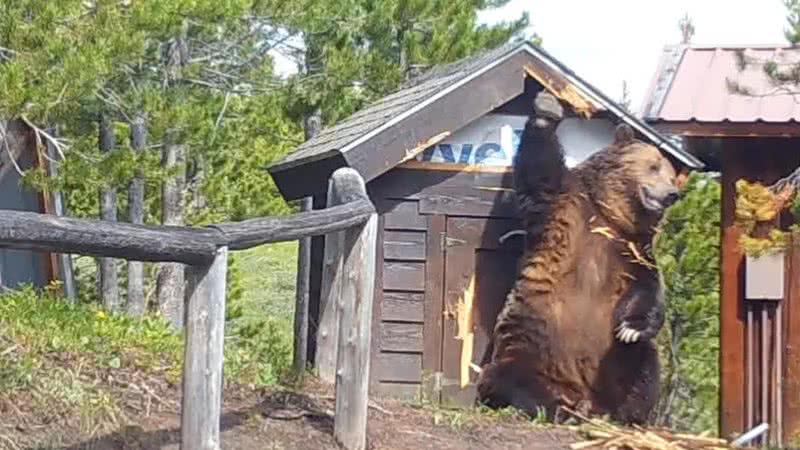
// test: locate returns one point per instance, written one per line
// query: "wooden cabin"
(436, 156)
(756, 138)
(19, 267)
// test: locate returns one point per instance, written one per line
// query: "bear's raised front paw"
(546, 106)
(627, 334)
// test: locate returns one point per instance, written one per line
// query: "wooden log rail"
(350, 220)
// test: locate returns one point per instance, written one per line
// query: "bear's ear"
(623, 135)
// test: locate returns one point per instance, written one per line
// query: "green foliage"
(792, 33)
(261, 330)
(687, 251)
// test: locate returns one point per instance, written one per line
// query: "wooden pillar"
(357, 259)
(201, 406)
(791, 347)
(328, 324)
(303, 286)
(732, 316)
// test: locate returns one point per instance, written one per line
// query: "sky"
(608, 41)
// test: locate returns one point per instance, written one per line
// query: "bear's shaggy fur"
(576, 329)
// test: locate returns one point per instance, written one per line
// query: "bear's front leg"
(639, 315)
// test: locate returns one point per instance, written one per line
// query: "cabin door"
(479, 272)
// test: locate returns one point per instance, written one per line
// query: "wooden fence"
(350, 219)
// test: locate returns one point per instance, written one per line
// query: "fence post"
(201, 405)
(328, 324)
(357, 279)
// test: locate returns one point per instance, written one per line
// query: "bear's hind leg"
(508, 382)
(641, 390)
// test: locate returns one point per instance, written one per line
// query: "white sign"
(493, 140)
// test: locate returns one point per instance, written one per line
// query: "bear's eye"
(654, 168)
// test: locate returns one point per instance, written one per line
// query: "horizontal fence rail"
(350, 219)
(156, 243)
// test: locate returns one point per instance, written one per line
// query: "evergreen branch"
(41, 135)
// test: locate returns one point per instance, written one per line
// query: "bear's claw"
(627, 334)
(547, 106)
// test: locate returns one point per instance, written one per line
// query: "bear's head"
(632, 181)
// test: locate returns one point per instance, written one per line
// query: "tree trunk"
(136, 301)
(170, 278)
(312, 125)
(107, 267)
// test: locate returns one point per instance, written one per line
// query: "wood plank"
(404, 184)
(355, 320)
(732, 327)
(485, 233)
(495, 204)
(404, 245)
(403, 306)
(402, 215)
(480, 273)
(791, 358)
(399, 391)
(404, 276)
(401, 337)
(399, 367)
(434, 306)
(378, 307)
(457, 167)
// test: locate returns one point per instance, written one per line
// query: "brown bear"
(576, 329)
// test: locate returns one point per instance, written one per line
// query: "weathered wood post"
(201, 406)
(354, 305)
(328, 325)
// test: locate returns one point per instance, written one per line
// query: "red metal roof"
(692, 84)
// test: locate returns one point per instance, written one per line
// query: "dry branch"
(604, 435)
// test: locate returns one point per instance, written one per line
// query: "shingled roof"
(442, 100)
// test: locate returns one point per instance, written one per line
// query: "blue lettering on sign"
(486, 151)
(466, 152)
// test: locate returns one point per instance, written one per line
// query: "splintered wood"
(465, 333)
(603, 435)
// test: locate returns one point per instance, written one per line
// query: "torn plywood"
(565, 92)
(464, 308)
(411, 154)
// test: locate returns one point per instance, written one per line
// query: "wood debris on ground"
(604, 435)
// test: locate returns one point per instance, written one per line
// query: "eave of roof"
(691, 91)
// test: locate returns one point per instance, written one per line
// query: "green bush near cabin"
(687, 251)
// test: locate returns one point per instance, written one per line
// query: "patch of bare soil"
(268, 419)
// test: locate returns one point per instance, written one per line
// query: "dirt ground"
(277, 419)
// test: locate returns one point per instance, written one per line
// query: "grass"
(262, 314)
(57, 358)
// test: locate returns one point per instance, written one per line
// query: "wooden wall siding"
(791, 359)
(418, 208)
(399, 327)
(763, 160)
(476, 194)
(480, 272)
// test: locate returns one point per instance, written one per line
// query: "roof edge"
(660, 141)
(422, 105)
